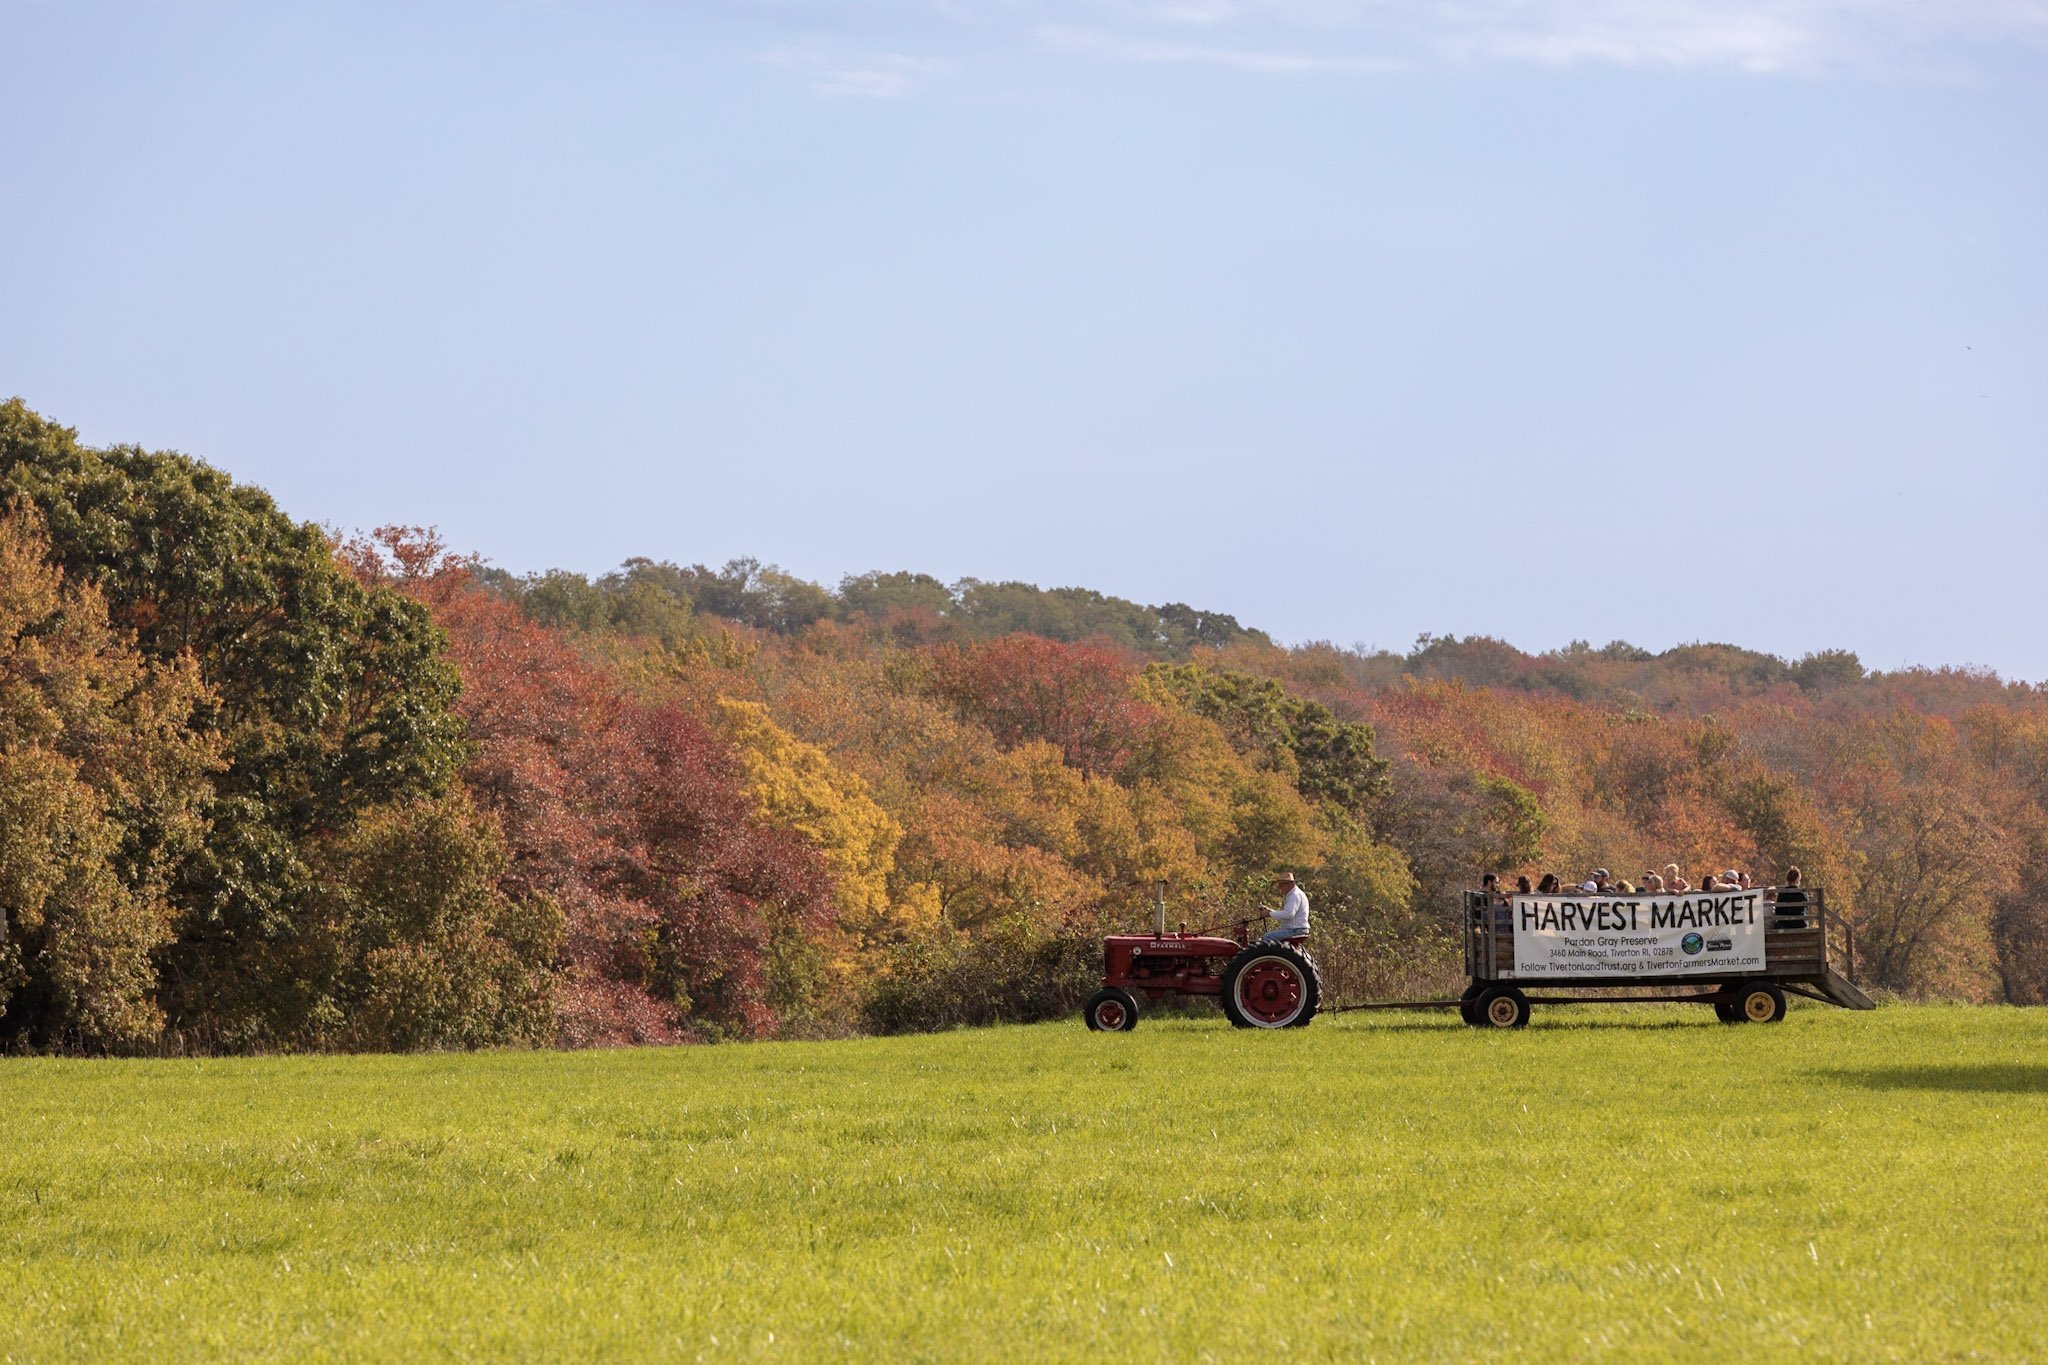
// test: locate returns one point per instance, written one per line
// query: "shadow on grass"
(2006, 1078)
(1403, 1021)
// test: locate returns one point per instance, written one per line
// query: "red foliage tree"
(1025, 688)
(631, 815)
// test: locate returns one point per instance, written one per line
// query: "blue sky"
(1655, 319)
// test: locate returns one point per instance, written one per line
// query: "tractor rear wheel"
(1270, 985)
(1500, 1007)
(1111, 1010)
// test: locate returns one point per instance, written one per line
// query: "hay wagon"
(1742, 952)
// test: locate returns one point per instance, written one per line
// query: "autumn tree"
(1930, 859)
(1076, 697)
(103, 780)
(271, 792)
(2019, 927)
(796, 786)
(685, 913)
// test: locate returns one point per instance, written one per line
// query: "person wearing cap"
(1292, 916)
(1596, 882)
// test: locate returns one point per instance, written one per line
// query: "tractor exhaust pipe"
(1159, 908)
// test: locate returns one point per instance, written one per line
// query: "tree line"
(264, 789)
(658, 599)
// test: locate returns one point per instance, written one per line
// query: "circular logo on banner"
(1692, 943)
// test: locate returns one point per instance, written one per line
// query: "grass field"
(1609, 1182)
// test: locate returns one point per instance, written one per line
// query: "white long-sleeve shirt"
(1293, 911)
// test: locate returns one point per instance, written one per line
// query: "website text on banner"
(1705, 934)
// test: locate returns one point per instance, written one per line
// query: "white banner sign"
(1705, 933)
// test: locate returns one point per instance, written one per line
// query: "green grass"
(1611, 1182)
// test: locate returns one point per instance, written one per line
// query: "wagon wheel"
(1468, 1002)
(1270, 985)
(1759, 1003)
(1111, 1010)
(1501, 1007)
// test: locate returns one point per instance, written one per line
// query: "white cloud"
(1365, 37)
(1109, 45)
(1283, 36)
(877, 75)
(1750, 41)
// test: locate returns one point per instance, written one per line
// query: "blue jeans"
(1282, 935)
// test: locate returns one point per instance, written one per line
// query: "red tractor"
(1260, 984)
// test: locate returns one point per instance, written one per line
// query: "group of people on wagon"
(1789, 896)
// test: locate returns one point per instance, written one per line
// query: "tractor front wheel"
(1111, 1010)
(1270, 985)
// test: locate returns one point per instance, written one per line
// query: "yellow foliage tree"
(797, 786)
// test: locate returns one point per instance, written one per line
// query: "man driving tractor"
(1292, 916)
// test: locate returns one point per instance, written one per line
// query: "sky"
(1661, 320)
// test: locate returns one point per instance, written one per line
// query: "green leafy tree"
(756, 594)
(415, 946)
(1074, 615)
(647, 599)
(326, 698)
(1828, 670)
(1329, 759)
(565, 601)
(1187, 628)
(877, 595)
